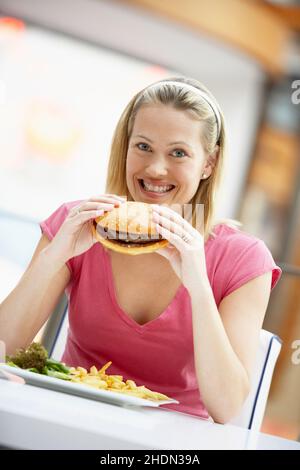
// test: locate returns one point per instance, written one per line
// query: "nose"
(157, 168)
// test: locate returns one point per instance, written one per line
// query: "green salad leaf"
(35, 359)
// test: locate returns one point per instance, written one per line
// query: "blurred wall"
(236, 80)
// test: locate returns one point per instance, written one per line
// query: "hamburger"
(129, 229)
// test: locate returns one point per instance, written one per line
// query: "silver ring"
(185, 239)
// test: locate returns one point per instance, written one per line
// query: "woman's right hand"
(75, 236)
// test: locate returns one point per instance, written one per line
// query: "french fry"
(106, 366)
(115, 383)
(93, 370)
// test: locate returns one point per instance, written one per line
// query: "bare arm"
(225, 344)
(29, 305)
(24, 311)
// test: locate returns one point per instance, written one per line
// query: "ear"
(211, 161)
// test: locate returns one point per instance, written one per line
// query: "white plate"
(82, 390)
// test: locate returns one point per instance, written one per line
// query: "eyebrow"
(171, 143)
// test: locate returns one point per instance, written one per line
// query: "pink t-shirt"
(158, 354)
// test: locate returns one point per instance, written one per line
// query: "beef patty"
(124, 238)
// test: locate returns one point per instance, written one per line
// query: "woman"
(184, 321)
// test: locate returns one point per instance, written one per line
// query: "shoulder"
(237, 256)
(225, 236)
(234, 248)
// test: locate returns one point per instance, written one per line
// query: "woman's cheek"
(132, 162)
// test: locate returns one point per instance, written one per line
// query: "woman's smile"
(157, 191)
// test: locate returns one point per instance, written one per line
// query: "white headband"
(201, 93)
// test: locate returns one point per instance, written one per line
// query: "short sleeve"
(248, 258)
(52, 224)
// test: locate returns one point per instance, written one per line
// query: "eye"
(145, 147)
(141, 148)
(182, 151)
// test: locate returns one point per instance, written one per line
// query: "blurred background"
(69, 67)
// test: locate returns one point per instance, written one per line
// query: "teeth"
(156, 189)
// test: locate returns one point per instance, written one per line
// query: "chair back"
(254, 407)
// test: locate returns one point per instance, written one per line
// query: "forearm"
(222, 379)
(26, 308)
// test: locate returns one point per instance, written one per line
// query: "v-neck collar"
(122, 314)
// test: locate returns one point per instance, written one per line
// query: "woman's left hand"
(185, 251)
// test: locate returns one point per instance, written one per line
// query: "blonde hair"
(183, 99)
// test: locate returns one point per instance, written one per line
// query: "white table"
(36, 418)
